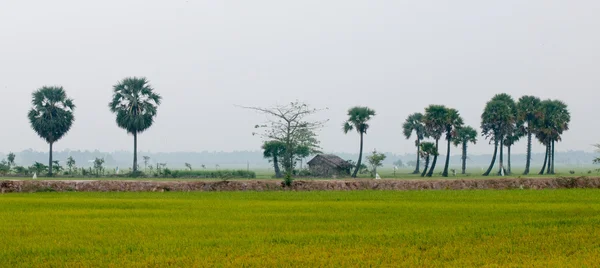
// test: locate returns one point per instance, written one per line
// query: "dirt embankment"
(9, 186)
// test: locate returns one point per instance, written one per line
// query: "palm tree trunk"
(552, 168)
(509, 170)
(417, 170)
(359, 162)
(545, 162)
(50, 161)
(276, 167)
(487, 173)
(134, 152)
(501, 169)
(430, 173)
(426, 166)
(549, 157)
(528, 162)
(445, 173)
(464, 158)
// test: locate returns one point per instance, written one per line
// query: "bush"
(211, 174)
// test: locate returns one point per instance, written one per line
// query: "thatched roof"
(330, 159)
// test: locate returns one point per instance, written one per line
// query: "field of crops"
(360, 228)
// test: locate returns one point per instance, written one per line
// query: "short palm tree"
(528, 109)
(357, 120)
(435, 119)
(427, 150)
(51, 116)
(135, 104)
(464, 136)
(414, 124)
(452, 124)
(273, 150)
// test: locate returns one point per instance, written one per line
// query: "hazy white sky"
(204, 57)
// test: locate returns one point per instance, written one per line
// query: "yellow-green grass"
(307, 229)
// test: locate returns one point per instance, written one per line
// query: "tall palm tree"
(51, 116)
(414, 123)
(135, 104)
(427, 150)
(556, 118)
(464, 136)
(453, 122)
(357, 119)
(497, 119)
(528, 108)
(435, 119)
(273, 150)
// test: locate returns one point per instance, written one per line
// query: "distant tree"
(146, 161)
(412, 163)
(435, 118)
(273, 150)
(375, 160)
(497, 120)
(57, 168)
(452, 123)
(71, 164)
(529, 112)
(203, 166)
(289, 124)
(427, 150)
(4, 167)
(414, 124)
(399, 163)
(39, 168)
(51, 116)
(188, 166)
(358, 118)
(135, 104)
(11, 159)
(464, 136)
(597, 159)
(99, 166)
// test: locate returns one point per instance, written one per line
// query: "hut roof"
(333, 160)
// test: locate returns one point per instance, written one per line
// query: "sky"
(206, 57)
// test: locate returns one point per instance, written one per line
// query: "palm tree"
(51, 116)
(358, 118)
(497, 119)
(427, 149)
(528, 108)
(135, 104)
(514, 134)
(453, 122)
(464, 136)
(414, 123)
(555, 121)
(272, 150)
(435, 119)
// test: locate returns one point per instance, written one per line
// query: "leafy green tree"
(358, 118)
(188, 166)
(435, 119)
(529, 112)
(11, 159)
(39, 168)
(427, 150)
(414, 124)
(497, 120)
(135, 103)
(375, 160)
(71, 164)
(51, 116)
(4, 167)
(99, 166)
(464, 136)
(146, 161)
(56, 167)
(452, 124)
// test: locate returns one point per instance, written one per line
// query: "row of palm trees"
(134, 103)
(503, 123)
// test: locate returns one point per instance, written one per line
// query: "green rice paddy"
(305, 229)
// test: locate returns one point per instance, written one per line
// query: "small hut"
(328, 165)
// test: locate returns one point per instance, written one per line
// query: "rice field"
(307, 229)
